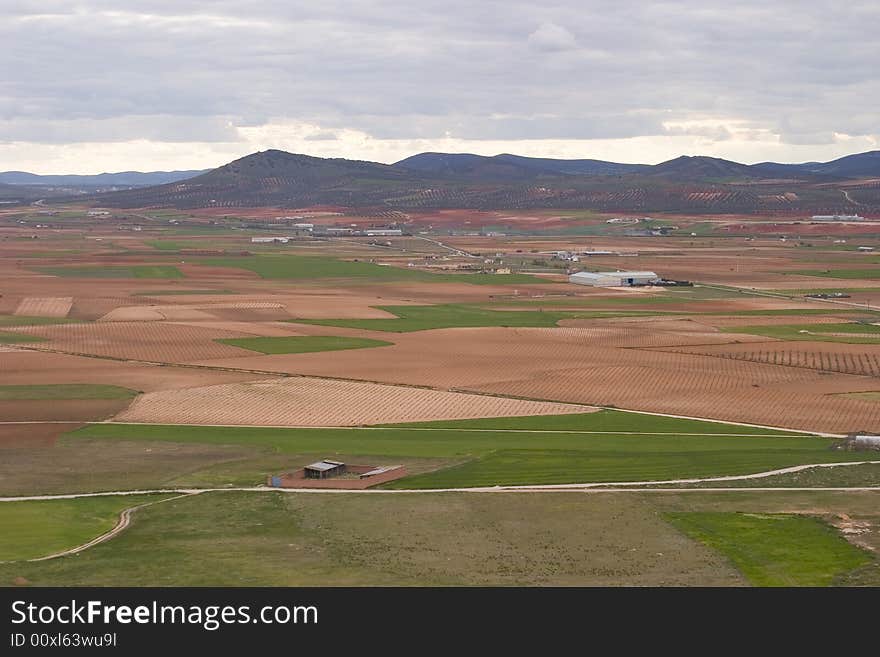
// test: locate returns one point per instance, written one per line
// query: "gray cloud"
(193, 70)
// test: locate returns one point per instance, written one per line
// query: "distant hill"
(694, 184)
(509, 167)
(122, 179)
(274, 177)
(706, 168)
(860, 165)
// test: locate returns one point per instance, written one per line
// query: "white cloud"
(550, 37)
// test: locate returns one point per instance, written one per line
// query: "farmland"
(64, 391)
(850, 332)
(421, 318)
(615, 447)
(302, 344)
(156, 271)
(185, 356)
(39, 528)
(775, 550)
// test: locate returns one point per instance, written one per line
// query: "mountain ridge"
(275, 178)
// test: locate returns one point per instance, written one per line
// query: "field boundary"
(630, 486)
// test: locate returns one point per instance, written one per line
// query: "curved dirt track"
(121, 524)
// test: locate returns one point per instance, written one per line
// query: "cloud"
(372, 76)
(551, 37)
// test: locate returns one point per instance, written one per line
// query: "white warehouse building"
(613, 278)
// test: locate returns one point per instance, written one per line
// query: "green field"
(18, 320)
(604, 421)
(854, 332)
(775, 550)
(13, 338)
(513, 453)
(135, 271)
(37, 528)
(302, 344)
(865, 274)
(65, 391)
(422, 318)
(297, 267)
(870, 396)
(276, 539)
(160, 293)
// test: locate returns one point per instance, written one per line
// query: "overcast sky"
(97, 85)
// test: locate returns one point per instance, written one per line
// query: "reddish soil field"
(25, 367)
(608, 364)
(13, 436)
(149, 341)
(859, 359)
(60, 409)
(44, 306)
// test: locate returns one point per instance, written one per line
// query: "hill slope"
(441, 180)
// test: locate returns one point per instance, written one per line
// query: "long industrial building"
(613, 278)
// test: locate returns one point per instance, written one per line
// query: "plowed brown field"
(14, 436)
(609, 365)
(44, 306)
(25, 367)
(320, 402)
(859, 359)
(150, 341)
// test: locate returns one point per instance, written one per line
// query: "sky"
(96, 85)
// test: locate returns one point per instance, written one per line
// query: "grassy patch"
(18, 320)
(302, 344)
(37, 528)
(864, 475)
(135, 271)
(161, 293)
(775, 550)
(825, 290)
(853, 332)
(865, 274)
(422, 318)
(870, 396)
(65, 391)
(14, 338)
(500, 456)
(609, 421)
(310, 267)
(297, 267)
(362, 540)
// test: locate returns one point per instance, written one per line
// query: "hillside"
(710, 169)
(509, 167)
(441, 180)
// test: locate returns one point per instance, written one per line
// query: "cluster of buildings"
(328, 231)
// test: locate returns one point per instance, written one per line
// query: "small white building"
(270, 240)
(383, 232)
(613, 278)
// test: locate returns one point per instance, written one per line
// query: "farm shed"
(860, 441)
(613, 278)
(324, 469)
